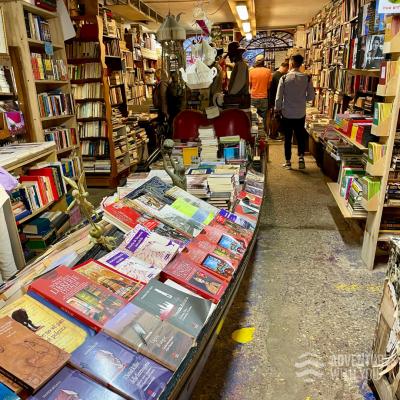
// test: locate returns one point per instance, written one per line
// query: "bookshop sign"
(388, 6)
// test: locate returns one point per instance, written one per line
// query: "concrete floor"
(306, 291)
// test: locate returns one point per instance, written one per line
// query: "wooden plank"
(349, 140)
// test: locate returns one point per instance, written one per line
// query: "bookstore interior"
(132, 103)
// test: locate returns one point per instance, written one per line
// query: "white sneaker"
(302, 164)
(287, 166)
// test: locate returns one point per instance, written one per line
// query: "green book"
(37, 225)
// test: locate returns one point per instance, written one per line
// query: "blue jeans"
(262, 109)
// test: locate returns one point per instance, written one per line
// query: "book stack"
(36, 27)
(116, 116)
(88, 164)
(354, 199)
(92, 129)
(221, 200)
(115, 78)
(393, 194)
(209, 142)
(53, 103)
(395, 163)
(390, 224)
(50, 5)
(94, 109)
(224, 182)
(102, 166)
(64, 137)
(85, 71)
(78, 49)
(44, 67)
(93, 90)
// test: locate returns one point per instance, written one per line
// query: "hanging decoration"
(198, 75)
(202, 20)
(204, 51)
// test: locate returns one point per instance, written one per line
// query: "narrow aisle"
(306, 291)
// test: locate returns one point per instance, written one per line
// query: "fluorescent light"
(249, 36)
(242, 12)
(246, 27)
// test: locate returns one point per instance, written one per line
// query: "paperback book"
(246, 211)
(79, 296)
(149, 336)
(232, 242)
(120, 368)
(20, 348)
(111, 280)
(253, 190)
(185, 312)
(71, 384)
(231, 228)
(197, 279)
(236, 219)
(199, 215)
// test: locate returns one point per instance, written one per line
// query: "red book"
(192, 277)
(247, 212)
(49, 173)
(217, 260)
(114, 281)
(79, 297)
(45, 6)
(231, 227)
(252, 198)
(382, 73)
(39, 181)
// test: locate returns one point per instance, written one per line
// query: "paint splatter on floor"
(243, 335)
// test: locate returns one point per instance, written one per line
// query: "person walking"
(294, 90)
(260, 81)
(276, 76)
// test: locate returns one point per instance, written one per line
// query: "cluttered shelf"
(353, 142)
(340, 201)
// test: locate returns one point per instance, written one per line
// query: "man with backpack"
(294, 90)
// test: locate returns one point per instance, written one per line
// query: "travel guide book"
(149, 336)
(113, 281)
(149, 247)
(196, 279)
(213, 260)
(130, 266)
(185, 312)
(71, 384)
(79, 296)
(26, 358)
(120, 368)
(46, 323)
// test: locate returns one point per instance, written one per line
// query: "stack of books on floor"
(209, 142)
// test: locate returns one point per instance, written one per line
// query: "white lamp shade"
(242, 12)
(246, 27)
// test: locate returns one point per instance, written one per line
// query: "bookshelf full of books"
(50, 108)
(353, 55)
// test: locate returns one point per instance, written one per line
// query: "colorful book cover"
(122, 369)
(236, 219)
(71, 384)
(168, 231)
(231, 228)
(79, 296)
(197, 279)
(7, 394)
(257, 185)
(46, 323)
(149, 203)
(253, 200)
(253, 190)
(149, 336)
(111, 280)
(26, 358)
(245, 211)
(130, 266)
(213, 258)
(149, 247)
(155, 186)
(230, 241)
(186, 312)
(199, 215)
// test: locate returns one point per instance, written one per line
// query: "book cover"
(165, 230)
(232, 242)
(149, 336)
(113, 281)
(7, 394)
(78, 296)
(195, 278)
(26, 358)
(149, 203)
(46, 323)
(199, 215)
(250, 199)
(156, 186)
(236, 219)
(149, 247)
(245, 211)
(254, 190)
(122, 369)
(213, 258)
(185, 312)
(232, 228)
(71, 384)
(130, 266)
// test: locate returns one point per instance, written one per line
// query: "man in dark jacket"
(239, 80)
(160, 100)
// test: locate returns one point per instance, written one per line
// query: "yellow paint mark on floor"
(352, 288)
(243, 335)
(347, 288)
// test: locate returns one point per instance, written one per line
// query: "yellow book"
(202, 216)
(188, 153)
(45, 323)
(354, 129)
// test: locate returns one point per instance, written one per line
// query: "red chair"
(230, 122)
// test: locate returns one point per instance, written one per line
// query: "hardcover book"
(149, 247)
(149, 336)
(26, 358)
(46, 323)
(111, 280)
(122, 369)
(130, 266)
(71, 384)
(186, 312)
(79, 296)
(213, 258)
(195, 278)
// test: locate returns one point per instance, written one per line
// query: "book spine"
(16, 380)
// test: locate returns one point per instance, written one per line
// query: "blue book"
(199, 171)
(90, 333)
(22, 215)
(154, 186)
(229, 152)
(7, 394)
(72, 384)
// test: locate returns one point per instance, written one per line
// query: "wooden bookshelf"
(30, 87)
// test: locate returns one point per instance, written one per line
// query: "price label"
(48, 48)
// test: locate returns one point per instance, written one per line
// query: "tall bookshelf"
(29, 87)
(115, 131)
(327, 37)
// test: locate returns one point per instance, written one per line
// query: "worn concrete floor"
(306, 291)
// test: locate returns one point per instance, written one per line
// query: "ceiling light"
(246, 27)
(242, 11)
(249, 36)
